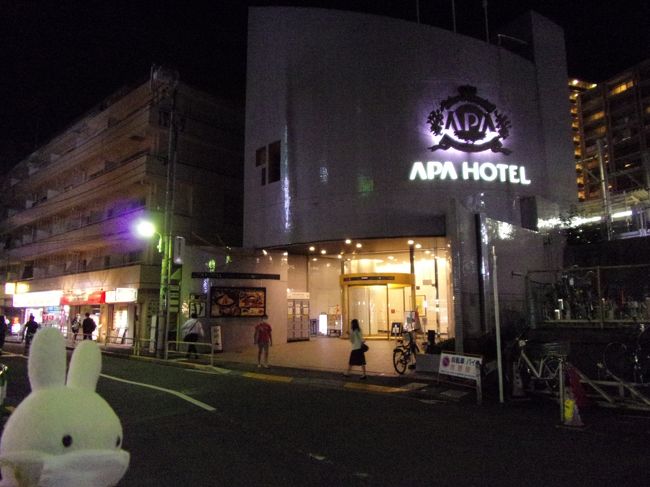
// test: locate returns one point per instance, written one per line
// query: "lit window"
(620, 88)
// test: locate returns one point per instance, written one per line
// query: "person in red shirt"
(263, 340)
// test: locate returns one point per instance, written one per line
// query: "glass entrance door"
(369, 305)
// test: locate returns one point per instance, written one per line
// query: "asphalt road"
(245, 428)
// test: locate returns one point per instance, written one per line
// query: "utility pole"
(164, 84)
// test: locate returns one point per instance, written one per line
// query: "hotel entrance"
(379, 282)
(377, 301)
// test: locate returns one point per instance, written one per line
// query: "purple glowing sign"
(468, 123)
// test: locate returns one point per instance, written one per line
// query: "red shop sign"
(96, 297)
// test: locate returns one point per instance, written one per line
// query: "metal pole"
(414, 306)
(453, 14)
(417, 10)
(487, 30)
(604, 185)
(497, 322)
(560, 371)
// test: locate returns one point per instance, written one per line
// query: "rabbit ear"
(47, 358)
(85, 366)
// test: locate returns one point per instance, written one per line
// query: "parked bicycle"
(630, 363)
(404, 355)
(537, 364)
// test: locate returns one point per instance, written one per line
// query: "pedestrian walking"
(30, 329)
(191, 330)
(88, 326)
(4, 327)
(75, 325)
(357, 354)
(263, 340)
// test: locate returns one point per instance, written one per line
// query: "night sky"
(60, 58)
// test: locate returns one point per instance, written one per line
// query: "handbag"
(364, 347)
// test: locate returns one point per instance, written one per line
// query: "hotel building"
(385, 163)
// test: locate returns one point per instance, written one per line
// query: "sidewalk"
(319, 353)
(322, 361)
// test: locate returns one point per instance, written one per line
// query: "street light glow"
(145, 228)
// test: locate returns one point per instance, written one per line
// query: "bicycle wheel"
(616, 360)
(400, 360)
(550, 373)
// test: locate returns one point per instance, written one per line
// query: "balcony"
(136, 168)
(79, 237)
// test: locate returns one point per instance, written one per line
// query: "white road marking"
(180, 395)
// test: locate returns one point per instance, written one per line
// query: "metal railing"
(588, 296)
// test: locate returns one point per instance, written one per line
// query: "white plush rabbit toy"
(62, 434)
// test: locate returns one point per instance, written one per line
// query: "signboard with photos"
(237, 301)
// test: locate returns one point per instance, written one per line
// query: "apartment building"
(615, 114)
(69, 208)
(576, 87)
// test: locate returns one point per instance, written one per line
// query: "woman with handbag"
(357, 354)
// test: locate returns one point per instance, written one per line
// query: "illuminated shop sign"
(76, 298)
(469, 171)
(468, 123)
(122, 295)
(37, 299)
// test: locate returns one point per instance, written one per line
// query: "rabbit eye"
(118, 442)
(67, 441)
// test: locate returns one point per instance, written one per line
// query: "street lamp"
(164, 84)
(146, 229)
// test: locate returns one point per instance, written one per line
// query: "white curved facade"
(348, 97)
(377, 148)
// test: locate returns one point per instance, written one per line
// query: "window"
(274, 162)
(28, 270)
(620, 88)
(260, 157)
(268, 160)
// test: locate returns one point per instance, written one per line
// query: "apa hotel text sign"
(469, 171)
(468, 123)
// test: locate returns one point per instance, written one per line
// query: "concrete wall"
(237, 332)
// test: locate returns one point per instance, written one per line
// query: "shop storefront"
(114, 311)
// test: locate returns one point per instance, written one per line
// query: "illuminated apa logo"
(469, 123)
